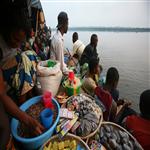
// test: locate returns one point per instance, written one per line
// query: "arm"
(113, 111)
(60, 57)
(13, 109)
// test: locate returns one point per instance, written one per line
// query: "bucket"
(36, 142)
(70, 89)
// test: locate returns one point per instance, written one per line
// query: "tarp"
(36, 4)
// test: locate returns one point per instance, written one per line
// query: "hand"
(120, 102)
(33, 125)
(127, 103)
(124, 103)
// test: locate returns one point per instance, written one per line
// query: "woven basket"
(67, 137)
(93, 133)
(100, 117)
(120, 128)
(64, 104)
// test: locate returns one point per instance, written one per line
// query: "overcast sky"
(127, 13)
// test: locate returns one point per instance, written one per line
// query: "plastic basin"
(36, 142)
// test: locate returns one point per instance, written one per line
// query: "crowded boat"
(53, 98)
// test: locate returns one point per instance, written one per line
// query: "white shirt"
(57, 50)
(78, 48)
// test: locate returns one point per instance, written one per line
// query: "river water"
(128, 52)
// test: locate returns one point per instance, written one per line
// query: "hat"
(62, 18)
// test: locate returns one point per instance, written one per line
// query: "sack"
(43, 70)
(51, 83)
(49, 76)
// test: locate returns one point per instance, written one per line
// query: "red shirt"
(106, 99)
(140, 129)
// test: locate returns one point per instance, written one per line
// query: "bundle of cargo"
(72, 84)
(88, 115)
(49, 75)
(113, 137)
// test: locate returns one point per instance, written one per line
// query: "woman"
(18, 68)
(112, 79)
(103, 98)
(11, 37)
(91, 78)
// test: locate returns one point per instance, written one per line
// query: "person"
(91, 76)
(78, 46)
(38, 48)
(44, 36)
(90, 50)
(112, 79)
(103, 98)
(139, 125)
(11, 37)
(110, 85)
(31, 37)
(57, 41)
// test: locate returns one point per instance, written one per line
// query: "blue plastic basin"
(36, 142)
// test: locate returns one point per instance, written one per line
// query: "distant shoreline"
(109, 29)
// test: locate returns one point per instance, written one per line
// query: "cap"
(62, 18)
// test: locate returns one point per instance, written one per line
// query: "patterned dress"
(19, 69)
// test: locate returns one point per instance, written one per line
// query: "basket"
(67, 137)
(99, 113)
(119, 128)
(93, 133)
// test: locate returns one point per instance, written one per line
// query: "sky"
(96, 13)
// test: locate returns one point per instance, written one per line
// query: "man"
(57, 42)
(139, 125)
(78, 46)
(12, 33)
(90, 50)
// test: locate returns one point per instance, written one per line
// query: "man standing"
(90, 50)
(57, 42)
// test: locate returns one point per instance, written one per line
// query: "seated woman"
(112, 79)
(91, 76)
(18, 67)
(111, 83)
(103, 98)
(139, 125)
